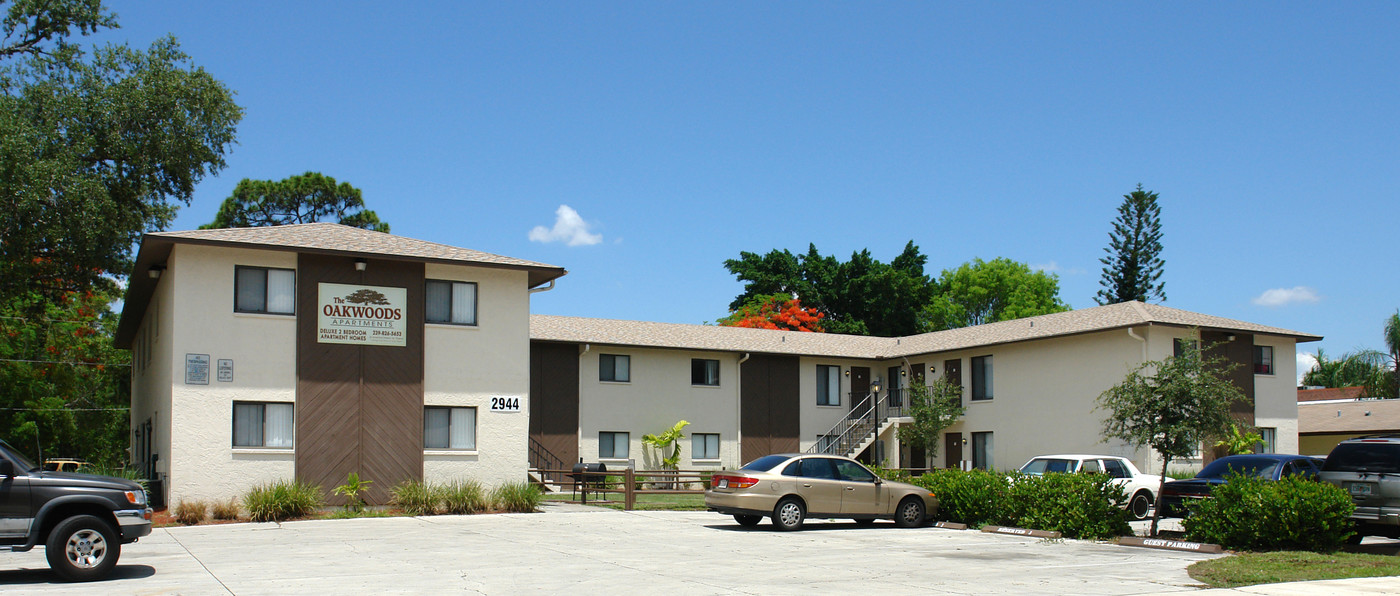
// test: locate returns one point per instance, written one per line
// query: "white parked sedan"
(1140, 488)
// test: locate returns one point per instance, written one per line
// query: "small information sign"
(225, 370)
(505, 403)
(196, 369)
(1020, 532)
(1195, 547)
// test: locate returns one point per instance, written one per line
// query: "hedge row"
(1076, 505)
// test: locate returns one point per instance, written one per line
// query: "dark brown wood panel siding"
(1240, 353)
(359, 408)
(554, 381)
(769, 406)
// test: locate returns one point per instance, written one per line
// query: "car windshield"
(1220, 468)
(765, 463)
(21, 463)
(1044, 465)
(1376, 458)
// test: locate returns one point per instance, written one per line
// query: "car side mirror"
(879, 481)
(7, 468)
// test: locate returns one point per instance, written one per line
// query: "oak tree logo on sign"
(366, 296)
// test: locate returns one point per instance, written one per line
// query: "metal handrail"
(844, 435)
(545, 460)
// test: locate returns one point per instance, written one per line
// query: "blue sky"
(682, 134)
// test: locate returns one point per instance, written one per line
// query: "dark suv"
(82, 520)
(1368, 468)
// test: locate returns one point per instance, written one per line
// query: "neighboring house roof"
(317, 238)
(1330, 393)
(708, 337)
(1359, 416)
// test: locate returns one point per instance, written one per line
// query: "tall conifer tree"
(1132, 270)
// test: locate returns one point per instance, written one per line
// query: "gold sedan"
(792, 487)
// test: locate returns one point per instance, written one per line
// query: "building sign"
(225, 370)
(196, 369)
(362, 315)
(505, 403)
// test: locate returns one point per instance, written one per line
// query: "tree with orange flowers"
(775, 311)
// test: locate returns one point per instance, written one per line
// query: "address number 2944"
(501, 403)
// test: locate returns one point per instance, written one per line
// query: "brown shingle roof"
(705, 337)
(319, 238)
(1361, 416)
(1330, 393)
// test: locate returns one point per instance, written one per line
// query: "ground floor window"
(612, 445)
(982, 451)
(1267, 443)
(704, 446)
(449, 428)
(262, 424)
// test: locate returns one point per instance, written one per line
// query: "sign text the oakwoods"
(364, 315)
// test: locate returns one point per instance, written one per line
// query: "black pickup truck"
(82, 520)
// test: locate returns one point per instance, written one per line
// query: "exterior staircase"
(869, 419)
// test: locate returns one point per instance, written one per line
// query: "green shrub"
(517, 497)
(463, 496)
(191, 512)
(277, 501)
(1251, 513)
(1076, 505)
(225, 510)
(416, 497)
(975, 498)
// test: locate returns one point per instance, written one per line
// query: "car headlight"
(136, 497)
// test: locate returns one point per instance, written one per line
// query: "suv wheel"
(82, 548)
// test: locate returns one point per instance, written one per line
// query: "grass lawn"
(1289, 566)
(645, 502)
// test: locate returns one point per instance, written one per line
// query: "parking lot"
(574, 549)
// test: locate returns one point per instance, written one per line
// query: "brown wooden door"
(952, 371)
(769, 406)
(860, 385)
(554, 375)
(952, 450)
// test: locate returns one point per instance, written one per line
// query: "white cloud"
(1053, 267)
(568, 227)
(1305, 363)
(1285, 296)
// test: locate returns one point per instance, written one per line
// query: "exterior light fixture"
(155, 271)
(360, 264)
(848, 372)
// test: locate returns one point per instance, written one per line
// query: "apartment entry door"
(952, 450)
(860, 387)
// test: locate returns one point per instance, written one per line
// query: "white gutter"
(543, 288)
(1134, 335)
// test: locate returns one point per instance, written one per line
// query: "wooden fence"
(596, 487)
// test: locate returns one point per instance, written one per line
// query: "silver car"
(792, 487)
(1368, 468)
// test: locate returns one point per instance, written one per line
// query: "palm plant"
(1392, 344)
(1364, 368)
(669, 441)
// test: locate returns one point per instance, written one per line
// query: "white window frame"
(613, 437)
(703, 444)
(262, 407)
(455, 290)
(267, 289)
(1268, 440)
(461, 428)
(626, 369)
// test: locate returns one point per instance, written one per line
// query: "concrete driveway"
(583, 550)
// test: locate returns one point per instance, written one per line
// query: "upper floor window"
(1181, 346)
(704, 372)
(1263, 360)
(450, 302)
(264, 290)
(262, 424)
(982, 378)
(828, 385)
(615, 368)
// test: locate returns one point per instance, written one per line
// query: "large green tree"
(1132, 269)
(861, 296)
(933, 407)
(306, 198)
(1172, 405)
(1364, 368)
(96, 146)
(1392, 346)
(989, 291)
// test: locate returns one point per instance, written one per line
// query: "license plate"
(724, 483)
(1360, 490)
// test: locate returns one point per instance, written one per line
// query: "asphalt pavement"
(570, 549)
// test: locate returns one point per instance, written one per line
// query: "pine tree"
(1133, 267)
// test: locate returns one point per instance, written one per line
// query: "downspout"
(545, 288)
(739, 406)
(1134, 335)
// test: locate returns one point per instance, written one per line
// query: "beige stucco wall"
(203, 464)
(1276, 395)
(151, 382)
(816, 420)
(466, 366)
(658, 395)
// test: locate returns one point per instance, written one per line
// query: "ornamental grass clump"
(190, 513)
(1250, 513)
(463, 496)
(517, 497)
(283, 500)
(416, 497)
(225, 510)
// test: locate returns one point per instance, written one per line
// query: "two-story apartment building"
(316, 350)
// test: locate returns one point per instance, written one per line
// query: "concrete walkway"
(575, 549)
